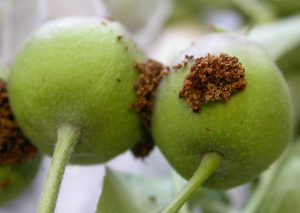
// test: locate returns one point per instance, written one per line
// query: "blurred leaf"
(284, 7)
(3, 74)
(210, 201)
(127, 193)
(258, 11)
(284, 195)
(131, 13)
(282, 40)
(193, 10)
(279, 37)
(289, 63)
(218, 29)
(279, 190)
(142, 17)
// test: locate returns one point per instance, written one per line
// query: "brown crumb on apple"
(184, 63)
(212, 78)
(177, 66)
(150, 74)
(14, 147)
(189, 56)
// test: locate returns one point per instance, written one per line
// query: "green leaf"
(284, 195)
(258, 11)
(279, 37)
(279, 190)
(127, 193)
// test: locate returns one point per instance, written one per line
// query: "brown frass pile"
(14, 147)
(212, 78)
(150, 75)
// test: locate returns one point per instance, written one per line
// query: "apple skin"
(80, 72)
(250, 131)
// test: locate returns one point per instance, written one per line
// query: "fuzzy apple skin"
(250, 131)
(15, 178)
(80, 72)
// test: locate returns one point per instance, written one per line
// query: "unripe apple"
(80, 72)
(249, 128)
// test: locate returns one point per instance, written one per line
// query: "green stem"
(179, 183)
(67, 137)
(209, 164)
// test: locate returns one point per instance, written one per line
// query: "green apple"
(249, 131)
(79, 72)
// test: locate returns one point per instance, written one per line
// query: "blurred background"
(163, 28)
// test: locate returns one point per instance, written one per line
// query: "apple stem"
(67, 138)
(208, 165)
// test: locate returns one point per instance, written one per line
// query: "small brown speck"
(189, 56)
(185, 62)
(110, 18)
(118, 79)
(177, 66)
(152, 199)
(119, 38)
